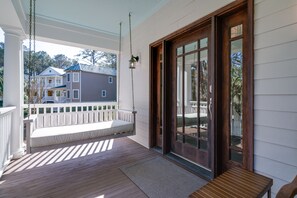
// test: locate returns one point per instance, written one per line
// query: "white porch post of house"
(13, 91)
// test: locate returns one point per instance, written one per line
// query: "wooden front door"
(202, 90)
(191, 73)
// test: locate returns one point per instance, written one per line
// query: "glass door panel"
(203, 98)
(192, 95)
(179, 99)
(236, 83)
(190, 99)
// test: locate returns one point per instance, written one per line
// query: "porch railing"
(5, 136)
(65, 114)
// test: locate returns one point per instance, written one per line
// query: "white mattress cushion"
(63, 134)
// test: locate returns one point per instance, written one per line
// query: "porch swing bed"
(50, 129)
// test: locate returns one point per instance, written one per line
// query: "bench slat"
(236, 182)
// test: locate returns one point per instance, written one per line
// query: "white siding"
(173, 16)
(276, 90)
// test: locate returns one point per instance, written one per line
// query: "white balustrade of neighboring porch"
(69, 107)
(5, 137)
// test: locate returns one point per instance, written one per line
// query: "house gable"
(52, 71)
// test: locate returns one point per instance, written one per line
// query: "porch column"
(13, 91)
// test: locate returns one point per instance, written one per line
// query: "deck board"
(85, 171)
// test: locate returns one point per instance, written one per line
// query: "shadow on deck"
(84, 169)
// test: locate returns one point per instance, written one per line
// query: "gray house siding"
(92, 85)
(68, 86)
(75, 85)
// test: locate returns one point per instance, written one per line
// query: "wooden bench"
(289, 190)
(58, 128)
(236, 182)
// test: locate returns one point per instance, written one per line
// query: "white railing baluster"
(5, 136)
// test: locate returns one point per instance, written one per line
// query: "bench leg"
(269, 193)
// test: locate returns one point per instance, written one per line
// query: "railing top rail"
(5, 110)
(70, 104)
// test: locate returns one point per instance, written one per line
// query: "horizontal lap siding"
(276, 90)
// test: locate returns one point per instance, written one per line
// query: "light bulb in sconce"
(133, 61)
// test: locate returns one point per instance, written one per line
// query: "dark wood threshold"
(157, 149)
(193, 168)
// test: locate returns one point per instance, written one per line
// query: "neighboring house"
(50, 78)
(88, 83)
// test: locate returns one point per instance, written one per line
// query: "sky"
(50, 48)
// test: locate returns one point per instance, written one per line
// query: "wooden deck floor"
(88, 169)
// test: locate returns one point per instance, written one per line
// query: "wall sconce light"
(133, 61)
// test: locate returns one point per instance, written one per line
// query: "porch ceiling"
(99, 15)
(92, 24)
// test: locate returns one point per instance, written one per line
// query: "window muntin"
(191, 47)
(179, 50)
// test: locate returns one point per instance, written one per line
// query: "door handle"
(210, 108)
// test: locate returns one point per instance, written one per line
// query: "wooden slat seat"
(236, 182)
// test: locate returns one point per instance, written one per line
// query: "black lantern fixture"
(134, 59)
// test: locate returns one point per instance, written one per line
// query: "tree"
(98, 58)
(61, 61)
(236, 81)
(41, 60)
(1, 54)
(89, 55)
(1, 67)
(1, 80)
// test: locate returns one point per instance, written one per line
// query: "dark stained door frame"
(215, 20)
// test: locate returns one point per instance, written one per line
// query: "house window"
(103, 93)
(76, 77)
(58, 93)
(110, 79)
(68, 94)
(49, 81)
(49, 93)
(75, 94)
(68, 77)
(58, 81)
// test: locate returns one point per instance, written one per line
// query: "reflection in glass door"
(191, 135)
(236, 94)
